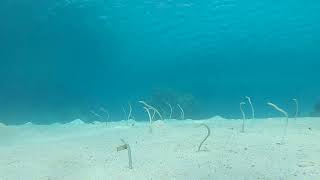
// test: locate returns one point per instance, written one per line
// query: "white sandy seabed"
(80, 151)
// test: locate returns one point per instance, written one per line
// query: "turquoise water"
(61, 59)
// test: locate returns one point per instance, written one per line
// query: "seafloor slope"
(88, 151)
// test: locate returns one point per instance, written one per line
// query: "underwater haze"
(62, 59)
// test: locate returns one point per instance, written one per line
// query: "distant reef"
(163, 98)
(316, 110)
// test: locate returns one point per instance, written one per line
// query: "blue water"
(61, 59)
